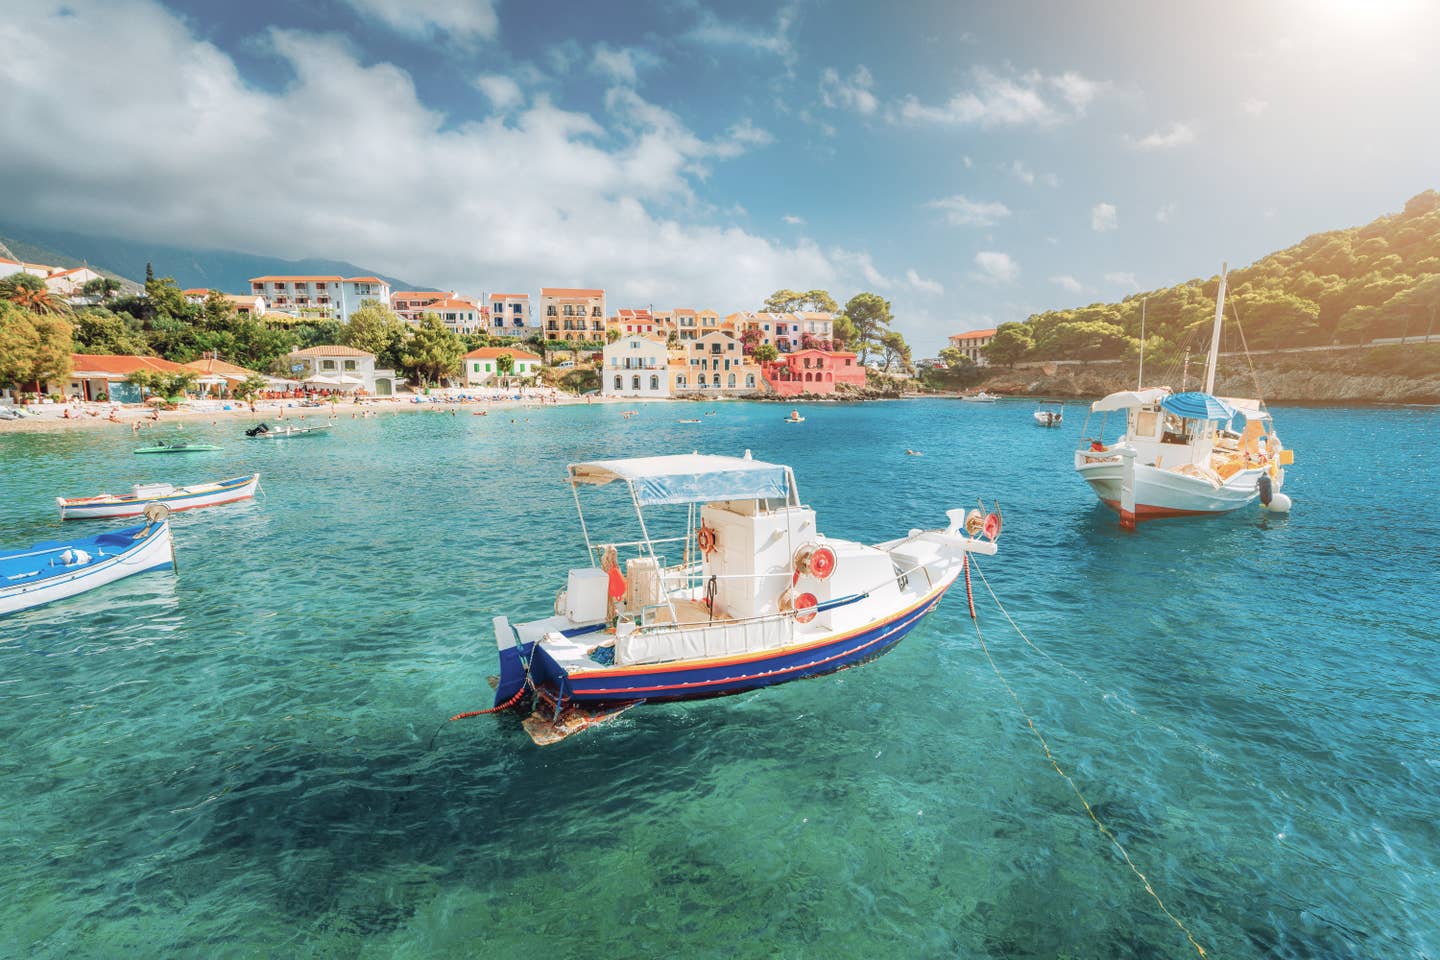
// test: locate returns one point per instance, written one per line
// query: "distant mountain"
(26, 252)
(225, 270)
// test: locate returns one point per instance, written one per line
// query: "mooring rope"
(1114, 841)
(504, 706)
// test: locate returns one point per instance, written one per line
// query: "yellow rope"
(1114, 841)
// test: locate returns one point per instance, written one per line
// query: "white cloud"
(923, 285)
(961, 211)
(1122, 280)
(1025, 175)
(853, 94)
(584, 199)
(793, 220)
(1165, 213)
(967, 161)
(1254, 106)
(1175, 135)
(1013, 101)
(997, 267)
(861, 264)
(1104, 216)
(504, 93)
(1049, 179)
(714, 32)
(1066, 282)
(464, 20)
(621, 65)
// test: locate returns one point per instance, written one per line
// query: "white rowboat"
(133, 504)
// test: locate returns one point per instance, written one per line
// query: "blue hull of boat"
(671, 681)
(37, 575)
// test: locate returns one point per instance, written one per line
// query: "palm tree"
(29, 291)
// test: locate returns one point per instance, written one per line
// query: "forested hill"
(1345, 286)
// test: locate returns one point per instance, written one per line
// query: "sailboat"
(1180, 454)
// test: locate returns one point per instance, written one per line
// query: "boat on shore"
(55, 570)
(266, 432)
(133, 504)
(981, 397)
(751, 595)
(177, 446)
(1049, 413)
(1180, 455)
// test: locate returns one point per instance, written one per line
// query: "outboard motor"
(256, 431)
(1265, 488)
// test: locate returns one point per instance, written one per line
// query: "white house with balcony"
(635, 367)
(345, 369)
(510, 316)
(330, 298)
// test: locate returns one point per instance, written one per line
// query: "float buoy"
(805, 608)
(822, 564)
(707, 540)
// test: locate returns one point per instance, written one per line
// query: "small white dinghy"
(133, 504)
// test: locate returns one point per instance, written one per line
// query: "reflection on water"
(238, 759)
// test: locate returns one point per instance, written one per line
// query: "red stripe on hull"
(1143, 511)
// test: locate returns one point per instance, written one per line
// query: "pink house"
(813, 371)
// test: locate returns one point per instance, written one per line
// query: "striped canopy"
(1198, 406)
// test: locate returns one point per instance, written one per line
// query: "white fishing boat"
(266, 432)
(133, 504)
(981, 397)
(55, 570)
(1049, 413)
(751, 594)
(1180, 455)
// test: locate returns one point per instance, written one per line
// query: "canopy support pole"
(644, 532)
(589, 550)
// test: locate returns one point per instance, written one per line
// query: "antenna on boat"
(1185, 373)
(1215, 334)
(1140, 377)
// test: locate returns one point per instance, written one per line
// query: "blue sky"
(973, 164)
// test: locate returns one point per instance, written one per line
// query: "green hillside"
(16, 249)
(1342, 287)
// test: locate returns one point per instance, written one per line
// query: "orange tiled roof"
(973, 334)
(330, 350)
(219, 368)
(121, 364)
(570, 292)
(420, 294)
(287, 279)
(450, 305)
(509, 296)
(490, 353)
(363, 280)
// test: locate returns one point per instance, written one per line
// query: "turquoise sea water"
(238, 760)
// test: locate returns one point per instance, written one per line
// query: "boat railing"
(664, 642)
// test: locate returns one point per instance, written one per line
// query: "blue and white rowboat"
(755, 595)
(59, 569)
(133, 504)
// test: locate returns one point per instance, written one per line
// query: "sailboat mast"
(1140, 377)
(1215, 334)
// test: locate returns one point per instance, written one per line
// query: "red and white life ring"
(805, 608)
(707, 540)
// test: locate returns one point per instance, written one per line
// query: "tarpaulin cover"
(1198, 406)
(689, 478)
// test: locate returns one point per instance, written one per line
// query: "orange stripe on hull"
(1143, 511)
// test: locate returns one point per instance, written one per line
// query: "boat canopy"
(1247, 408)
(1126, 399)
(1198, 406)
(689, 478)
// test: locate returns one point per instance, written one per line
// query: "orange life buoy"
(805, 608)
(707, 540)
(822, 563)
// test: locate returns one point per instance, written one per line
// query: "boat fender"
(1263, 484)
(560, 603)
(707, 540)
(822, 564)
(974, 523)
(805, 608)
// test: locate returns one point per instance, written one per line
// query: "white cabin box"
(586, 594)
(752, 562)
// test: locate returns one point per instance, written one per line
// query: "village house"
(107, 376)
(219, 376)
(481, 367)
(973, 344)
(408, 303)
(716, 365)
(813, 371)
(64, 282)
(635, 366)
(245, 304)
(325, 297)
(639, 322)
(510, 315)
(341, 368)
(569, 313)
(460, 315)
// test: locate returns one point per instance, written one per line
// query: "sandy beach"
(48, 418)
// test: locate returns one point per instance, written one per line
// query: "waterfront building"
(248, 304)
(341, 368)
(510, 315)
(813, 371)
(635, 366)
(716, 365)
(637, 323)
(408, 303)
(324, 297)
(460, 315)
(219, 376)
(972, 344)
(572, 313)
(481, 367)
(96, 375)
(62, 281)
(787, 332)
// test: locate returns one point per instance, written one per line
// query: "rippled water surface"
(238, 760)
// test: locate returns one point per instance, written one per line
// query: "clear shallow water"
(237, 761)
